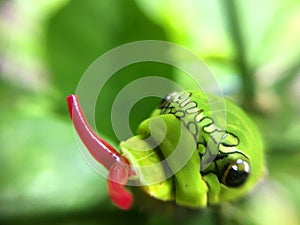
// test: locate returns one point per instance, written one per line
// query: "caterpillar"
(185, 152)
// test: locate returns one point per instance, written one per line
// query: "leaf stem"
(232, 18)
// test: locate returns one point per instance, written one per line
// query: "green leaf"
(42, 169)
(99, 27)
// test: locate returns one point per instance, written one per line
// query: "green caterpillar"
(187, 153)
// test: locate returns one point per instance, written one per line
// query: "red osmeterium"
(117, 178)
(117, 165)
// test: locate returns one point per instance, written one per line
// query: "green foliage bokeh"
(252, 48)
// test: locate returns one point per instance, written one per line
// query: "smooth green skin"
(188, 187)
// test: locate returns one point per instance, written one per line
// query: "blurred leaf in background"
(46, 46)
(81, 32)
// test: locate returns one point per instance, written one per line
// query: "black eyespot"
(236, 174)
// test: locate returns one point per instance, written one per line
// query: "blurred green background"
(252, 47)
